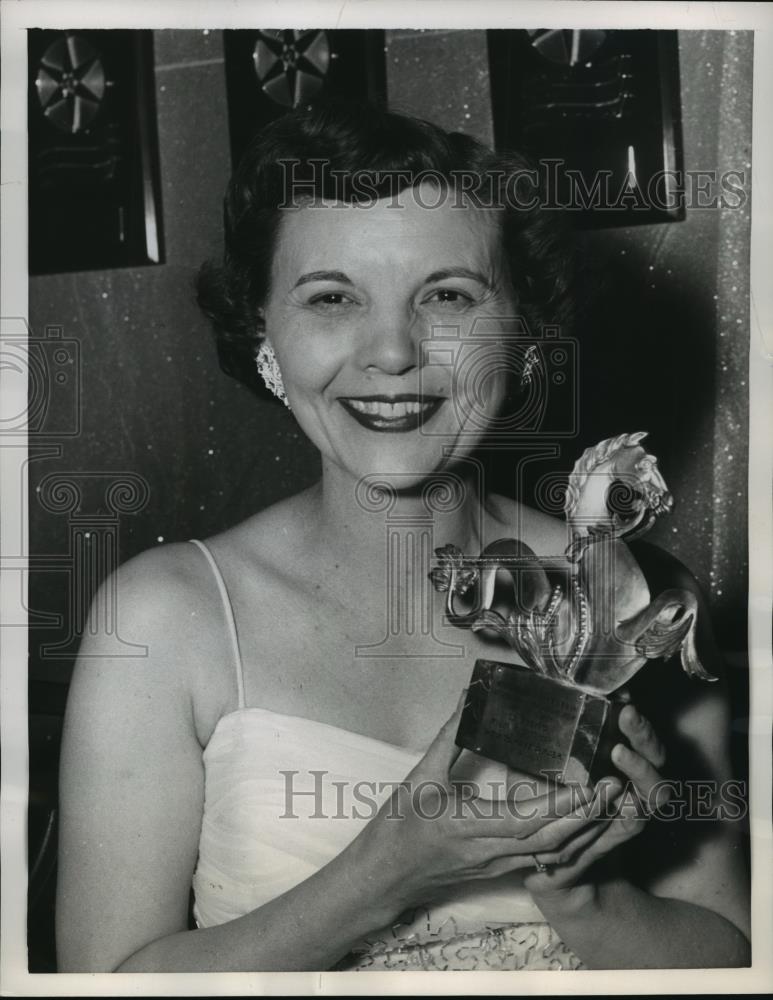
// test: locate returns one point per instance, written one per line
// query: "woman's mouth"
(392, 414)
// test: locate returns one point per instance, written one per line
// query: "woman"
(234, 757)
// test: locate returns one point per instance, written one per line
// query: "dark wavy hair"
(354, 152)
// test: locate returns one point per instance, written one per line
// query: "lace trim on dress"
(529, 946)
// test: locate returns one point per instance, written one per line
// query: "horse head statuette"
(586, 618)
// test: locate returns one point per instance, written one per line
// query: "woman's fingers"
(618, 831)
(651, 791)
(443, 752)
(642, 760)
(571, 848)
(569, 864)
(557, 843)
(567, 827)
(556, 835)
(642, 736)
(539, 822)
(517, 816)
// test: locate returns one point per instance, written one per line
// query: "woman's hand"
(630, 810)
(433, 833)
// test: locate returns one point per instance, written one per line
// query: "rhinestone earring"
(531, 360)
(268, 369)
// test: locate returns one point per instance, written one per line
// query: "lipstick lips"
(392, 414)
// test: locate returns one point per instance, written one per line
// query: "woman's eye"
(331, 299)
(450, 297)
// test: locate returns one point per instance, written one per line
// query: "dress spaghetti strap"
(229, 616)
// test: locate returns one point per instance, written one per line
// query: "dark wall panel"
(154, 404)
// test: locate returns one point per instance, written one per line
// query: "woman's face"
(389, 324)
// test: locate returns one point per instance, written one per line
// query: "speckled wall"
(664, 315)
(196, 452)
(672, 313)
(154, 402)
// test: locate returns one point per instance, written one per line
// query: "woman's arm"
(132, 802)
(131, 782)
(132, 792)
(615, 925)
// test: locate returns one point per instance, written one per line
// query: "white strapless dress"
(261, 836)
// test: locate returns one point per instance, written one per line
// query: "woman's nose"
(392, 346)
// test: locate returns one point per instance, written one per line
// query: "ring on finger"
(539, 865)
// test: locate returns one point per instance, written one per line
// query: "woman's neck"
(355, 518)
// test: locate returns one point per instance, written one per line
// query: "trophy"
(582, 624)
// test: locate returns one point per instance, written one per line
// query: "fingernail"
(618, 753)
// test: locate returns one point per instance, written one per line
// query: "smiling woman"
(351, 343)
(276, 755)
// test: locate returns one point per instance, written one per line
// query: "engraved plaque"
(541, 726)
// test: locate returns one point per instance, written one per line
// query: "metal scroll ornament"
(582, 624)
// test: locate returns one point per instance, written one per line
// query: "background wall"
(663, 326)
(664, 314)
(665, 310)
(153, 400)
(663, 338)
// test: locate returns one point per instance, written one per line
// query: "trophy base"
(538, 725)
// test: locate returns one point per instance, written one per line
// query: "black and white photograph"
(386, 556)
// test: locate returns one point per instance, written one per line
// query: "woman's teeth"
(395, 410)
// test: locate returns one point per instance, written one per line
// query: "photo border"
(15, 18)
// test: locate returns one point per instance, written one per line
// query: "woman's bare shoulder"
(165, 571)
(157, 627)
(170, 592)
(271, 540)
(161, 590)
(177, 577)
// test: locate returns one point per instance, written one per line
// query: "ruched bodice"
(285, 794)
(273, 813)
